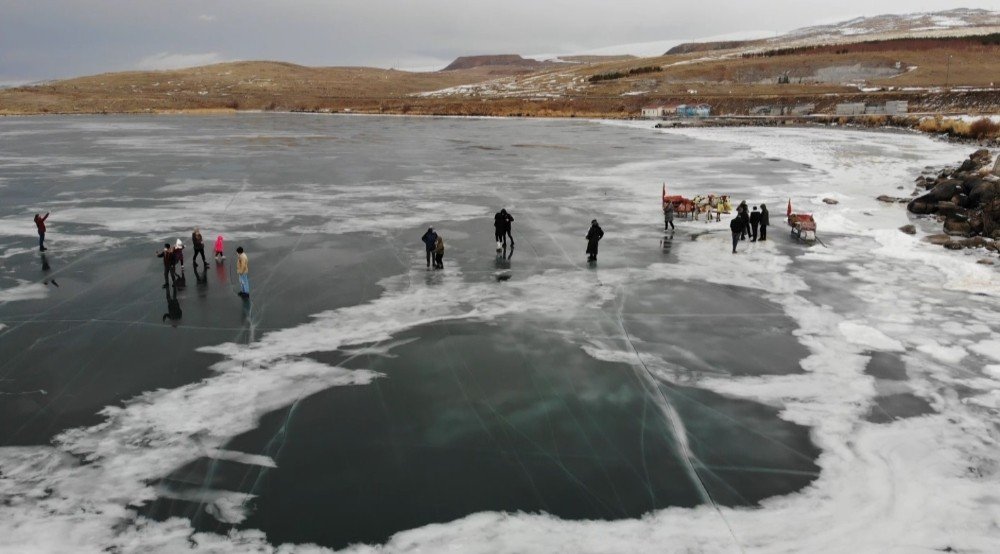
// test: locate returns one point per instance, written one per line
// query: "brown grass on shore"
(982, 128)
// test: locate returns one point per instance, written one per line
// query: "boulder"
(996, 168)
(973, 242)
(976, 223)
(886, 198)
(957, 225)
(908, 229)
(981, 157)
(946, 208)
(984, 261)
(830, 201)
(952, 245)
(945, 190)
(939, 240)
(917, 206)
(982, 189)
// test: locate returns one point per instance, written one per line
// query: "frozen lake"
(835, 397)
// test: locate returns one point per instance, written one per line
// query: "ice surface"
(922, 483)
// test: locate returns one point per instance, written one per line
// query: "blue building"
(701, 110)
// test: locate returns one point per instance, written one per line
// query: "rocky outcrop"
(507, 60)
(691, 47)
(965, 198)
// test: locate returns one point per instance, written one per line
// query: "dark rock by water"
(965, 198)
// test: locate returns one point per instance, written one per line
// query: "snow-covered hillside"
(950, 22)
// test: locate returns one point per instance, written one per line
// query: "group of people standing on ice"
(748, 222)
(502, 224)
(173, 256)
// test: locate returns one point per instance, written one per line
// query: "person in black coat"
(744, 216)
(594, 235)
(736, 227)
(429, 239)
(498, 227)
(507, 221)
(754, 223)
(764, 222)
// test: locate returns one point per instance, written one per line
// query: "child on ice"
(243, 271)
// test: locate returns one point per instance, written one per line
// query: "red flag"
(789, 206)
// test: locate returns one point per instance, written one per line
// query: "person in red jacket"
(40, 223)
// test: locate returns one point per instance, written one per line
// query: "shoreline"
(876, 123)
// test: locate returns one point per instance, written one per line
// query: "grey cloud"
(44, 39)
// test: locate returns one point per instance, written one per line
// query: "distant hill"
(940, 61)
(956, 22)
(914, 24)
(691, 47)
(497, 60)
(584, 58)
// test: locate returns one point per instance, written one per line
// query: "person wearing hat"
(243, 272)
(179, 254)
(594, 235)
(430, 242)
(219, 256)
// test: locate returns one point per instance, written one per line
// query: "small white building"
(897, 107)
(652, 112)
(851, 108)
(660, 111)
(803, 109)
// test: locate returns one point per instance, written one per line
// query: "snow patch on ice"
(988, 348)
(866, 336)
(945, 354)
(23, 290)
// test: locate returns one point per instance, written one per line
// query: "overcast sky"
(47, 39)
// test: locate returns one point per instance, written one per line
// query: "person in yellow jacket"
(439, 252)
(243, 271)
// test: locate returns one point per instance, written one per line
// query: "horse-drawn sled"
(803, 225)
(692, 208)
